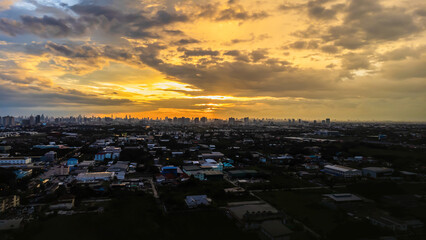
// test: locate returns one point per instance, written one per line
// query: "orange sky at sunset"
(342, 59)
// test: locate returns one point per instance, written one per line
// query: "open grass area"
(401, 157)
(173, 196)
(304, 206)
(135, 218)
(279, 182)
(331, 224)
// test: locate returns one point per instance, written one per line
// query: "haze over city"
(213, 119)
(358, 60)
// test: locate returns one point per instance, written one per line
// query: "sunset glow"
(343, 59)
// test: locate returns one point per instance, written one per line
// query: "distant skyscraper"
(37, 119)
(32, 120)
(8, 121)
(327, 121)
(246, 120)
(203, 119)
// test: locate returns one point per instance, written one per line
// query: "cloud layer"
(344, 59)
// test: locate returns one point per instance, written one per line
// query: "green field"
(304, 206)
(135, 218)
(332, 224)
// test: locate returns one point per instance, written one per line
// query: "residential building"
(50, 156)
(15, 161)
(62, 170)
(9, 202)
(108, 152)
(72, 162)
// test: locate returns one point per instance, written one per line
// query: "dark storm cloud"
(315, 9)
(403, 53)
(238, 55)
(301, 44)
(353, 61)
(273, 77)
(239, 14)
(329, 49)
(318, 11)
(233, 11)
(197, 52)
(259, 54)
(89, 17)
(405, 69)
(29, 96)
(365, 22)
(368, 22)
(185, 41)
(11, 27)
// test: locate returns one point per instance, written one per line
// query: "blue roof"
(169, 168)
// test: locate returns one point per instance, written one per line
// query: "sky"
(338, 59)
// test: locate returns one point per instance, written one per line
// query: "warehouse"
(377, 172)
(341, 171)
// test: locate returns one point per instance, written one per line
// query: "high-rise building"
(32, 120)
(203, 119)
(327, 121)
(8, 121)
(37, 119)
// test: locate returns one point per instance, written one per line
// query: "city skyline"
(355, 60)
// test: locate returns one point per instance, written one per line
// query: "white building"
(197, 200)
(342, 171)
(15, 161)
(95, 176)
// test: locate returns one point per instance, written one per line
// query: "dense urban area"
(198, 178)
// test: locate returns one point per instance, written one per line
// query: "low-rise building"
(251, 214)
(15, 161)
(213, 175)
(9, 202)
(341, 171)
(50, 156)
(396, 224)
(275, 230)
(109, 152)
(72, 162)
(95, 176)
(343, 197)
(8, 224)
(197, 200)
(377, 172)
(212, 155)
(62, 170)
